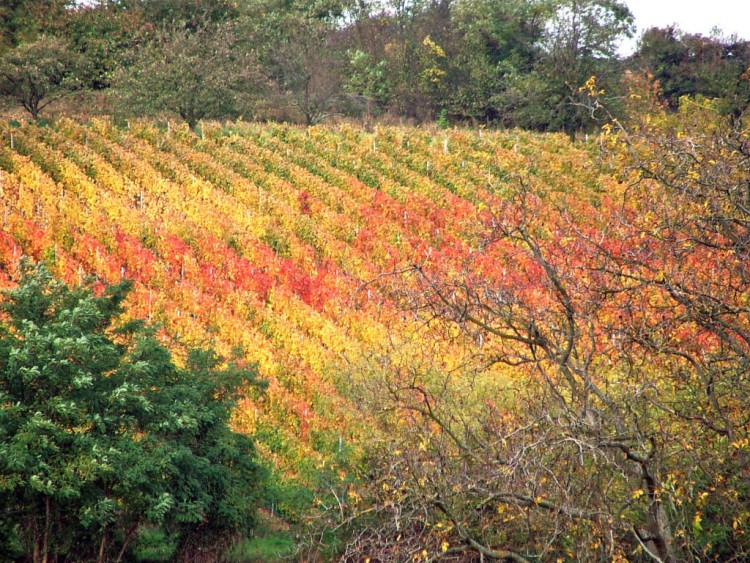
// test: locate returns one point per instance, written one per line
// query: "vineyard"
(257, 238)
(532, 292)
(260, 239)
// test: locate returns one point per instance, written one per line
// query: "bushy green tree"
(687, 65)
(368, 80)
(103, 437)
(301, 52)
(499, 42)
(36, 74)
(201, 74)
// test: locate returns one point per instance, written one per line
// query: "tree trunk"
(102, 546)
(47, 526)
(659, 540)
(37, 555)
(128, 537)
(571, 131)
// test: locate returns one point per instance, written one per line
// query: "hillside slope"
(263, 240)
(493, 343)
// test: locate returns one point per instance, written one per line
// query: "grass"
(263, 550)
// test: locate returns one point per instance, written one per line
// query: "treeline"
(514, 63)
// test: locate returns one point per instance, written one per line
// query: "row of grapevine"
(261, 239)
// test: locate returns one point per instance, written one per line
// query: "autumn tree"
(619, 325)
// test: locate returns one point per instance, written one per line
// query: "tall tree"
(498, 42)
(299, 46)
(580, 41)
(102, 33)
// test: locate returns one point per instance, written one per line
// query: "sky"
(692, 16)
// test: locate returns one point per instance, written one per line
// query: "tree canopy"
(36, 74)
(197, 74)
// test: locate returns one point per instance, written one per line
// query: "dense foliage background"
(516, 63)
